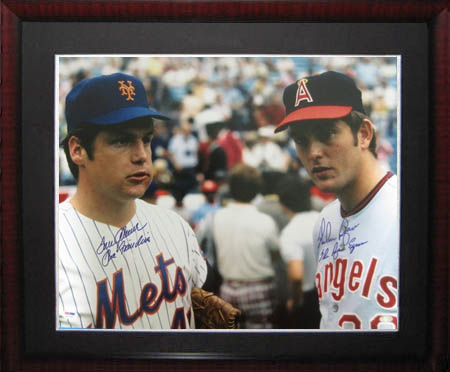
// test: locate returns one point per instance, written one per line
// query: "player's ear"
(366, 133)
(76, 151)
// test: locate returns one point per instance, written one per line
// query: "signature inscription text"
(345, 239)
(109, 249)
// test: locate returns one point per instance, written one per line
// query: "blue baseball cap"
(107, 100)
(330, 95)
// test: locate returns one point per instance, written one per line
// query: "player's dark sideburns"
(355, 120)
(322, 129)
(86, 134)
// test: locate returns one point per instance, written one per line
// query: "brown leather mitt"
(212, 312)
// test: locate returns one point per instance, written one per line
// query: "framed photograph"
(55, 54)
(243, 94)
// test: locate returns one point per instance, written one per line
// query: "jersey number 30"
(381, 321)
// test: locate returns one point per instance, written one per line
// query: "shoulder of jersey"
(390, 191)
(393, 182)
(158, 209)
(334, 205)
(65, 206)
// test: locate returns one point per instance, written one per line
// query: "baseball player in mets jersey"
(356, 237)
(122, 263)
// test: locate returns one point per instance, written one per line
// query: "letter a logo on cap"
(302, 92)
(127, 90)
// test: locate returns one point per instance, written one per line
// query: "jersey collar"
(367, 198)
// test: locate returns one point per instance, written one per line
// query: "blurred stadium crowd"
(223, 111)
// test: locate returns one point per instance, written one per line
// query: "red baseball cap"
(330, 95)
(209, 186)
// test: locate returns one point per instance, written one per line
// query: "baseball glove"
(212, 312)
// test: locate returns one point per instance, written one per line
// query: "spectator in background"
(191, 103)
(202, 221)
(248, 155)
(183, 154)
(239, 101)
(297, 250)
(211, 204)
(159, 141)
(367, 72)
(210, 114)
(232, 145)
(270, 203)
(266, 154)
(215, 158)
(246, 241)
(272, 110)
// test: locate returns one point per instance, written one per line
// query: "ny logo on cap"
(127, 90)
(302, 92)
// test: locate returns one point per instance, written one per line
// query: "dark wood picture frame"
(27, 181)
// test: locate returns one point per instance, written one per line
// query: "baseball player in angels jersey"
(356, 237)
(122, 263)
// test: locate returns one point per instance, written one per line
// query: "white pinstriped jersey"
(358, 261)
(137, 277)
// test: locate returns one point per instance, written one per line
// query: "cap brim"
(125, 114)
(312, 113)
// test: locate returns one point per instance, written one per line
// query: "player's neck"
(112, 212)
(366, 180)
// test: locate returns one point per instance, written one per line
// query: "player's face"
(329, 153)
(121, 167)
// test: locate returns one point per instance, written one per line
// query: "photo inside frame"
(223, 112)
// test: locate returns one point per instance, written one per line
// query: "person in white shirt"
(246, 241)
(266, 154)
(297, 251)
(183, 153)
